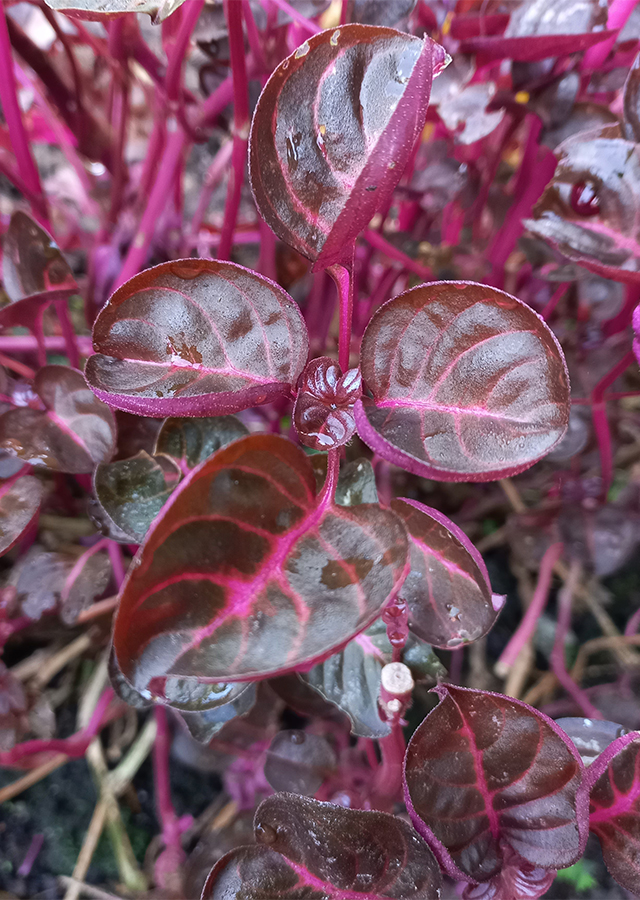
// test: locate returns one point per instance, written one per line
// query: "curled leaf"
(318, 850)
(494, 785)
(468, 383)
(447, 591)
(590, 736)
(323, 411)
(333, 131)
(31, 260)
(72, 433)
(196, 337)
(247, 573)
(101, 10)
(205, 723)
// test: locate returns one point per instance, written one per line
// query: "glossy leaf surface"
(100, 10)
(19, 503)
(486, 777)
(320, 851)
(590, 210)
(196, 337)
(133, 491)
(248, 574)
(468, 383)
(323, 411)
(332, 133)
(73, 432)
(614, 811)
(447, 591)
(31, 261)
(191, 441)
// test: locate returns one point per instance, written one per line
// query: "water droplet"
(265, 834)
(302, 50)
(392, 164)
(292, 143)
(334, 38)
(285, 65)
(298, 737)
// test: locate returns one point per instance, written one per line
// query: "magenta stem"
(17, 134)
(333, 469)
(32, 853)
(26, 343)
(343, 278)
(117, 564)
(388, 780)
(555, 298)
(68, 333)
(600, 421)
(558, 661)
(190, 16)
(160, 193)
(305, 23)
(233, 14)
(376, 240)
(619, 12)
(211, 180)
(74, 746)
(621, 321)
(526, 628)
(164, 806)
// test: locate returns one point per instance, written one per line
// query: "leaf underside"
(19, 502)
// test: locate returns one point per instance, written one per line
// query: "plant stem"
(526, 628)
(329, 487)
(558, 661)
(343, 278)
(173, 854)
(382, 244)
(388, 780)
(233, 14)
(305, 23)
(17, 134)
(619, 12)
(600, 421)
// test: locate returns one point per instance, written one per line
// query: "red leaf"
(247, 574)
(195, 337)
(490, 781)
(318, 850)
(333, 131)
(468, 383)
(614, 812)
(32, 262)
(73, 433)
(591, 208)
(447, 591)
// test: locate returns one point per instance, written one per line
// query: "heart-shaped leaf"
(72, 433)
(99, 10)
(614, 812)
(494, 785)
(19, 503)
(196, 337)
(447, 591)
(333, 131)
(591, 209)
(247, 573)
(31, 260)
(133, 491)
(468, 383)
(321, 851)
(191, 441)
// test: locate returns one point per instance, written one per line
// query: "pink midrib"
(622, 804)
